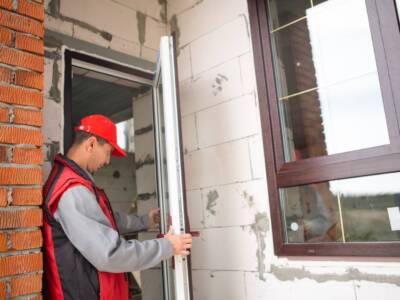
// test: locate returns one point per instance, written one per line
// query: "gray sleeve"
(131, 222)
(91, 233)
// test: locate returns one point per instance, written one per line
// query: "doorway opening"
(145, 107)
(123, 94)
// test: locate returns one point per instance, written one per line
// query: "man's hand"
(154, 217)
(181, 243)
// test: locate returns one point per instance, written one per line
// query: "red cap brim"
(117, 151)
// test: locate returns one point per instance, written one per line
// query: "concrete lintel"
(79, 45)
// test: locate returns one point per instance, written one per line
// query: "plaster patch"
(148, 160)
(176, 31)
(141, 24)
(51, 150)
(144, 130)
(146, 196)
(54, 11)
(290, 274)
(55, 92)
(52, 42)
(54, 7)
(260, 228)
(163, 12)
(52, 54)
(212, 197)
(249, 199)
(218, 82)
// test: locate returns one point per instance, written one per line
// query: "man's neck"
(75, 156)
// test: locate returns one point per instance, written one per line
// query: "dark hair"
(81, 136)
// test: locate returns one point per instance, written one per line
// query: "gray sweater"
(89, 230)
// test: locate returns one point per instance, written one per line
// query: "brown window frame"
(384, 26)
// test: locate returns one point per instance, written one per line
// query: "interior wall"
(131, 38)
(226, 180)
(151, 283)
(224, 162)
(126, 32)
(118, 179)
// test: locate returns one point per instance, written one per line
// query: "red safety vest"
(68, 275)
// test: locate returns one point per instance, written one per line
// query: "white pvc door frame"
(165, 75)
(398, 9)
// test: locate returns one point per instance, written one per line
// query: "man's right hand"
(181, 243)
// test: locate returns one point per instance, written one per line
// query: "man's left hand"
(154, 217)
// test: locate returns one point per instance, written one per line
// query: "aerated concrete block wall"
(108, 29)
(151, 279)
(225, 174)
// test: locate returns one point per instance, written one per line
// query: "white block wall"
(224, 160)
(84, 21)
(225, 174)
(133, 28)
(151, 280)
(118, 179)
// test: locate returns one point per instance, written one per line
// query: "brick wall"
(21, 155)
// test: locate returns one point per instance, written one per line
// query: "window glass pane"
(363, 209)
(126, 135)
(334, 119)
(284, 12)
(327, 83)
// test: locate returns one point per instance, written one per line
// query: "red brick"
(27, 156)
(16, 135)
(21, 23)
(4, 115)
(10, 175)
(26, 285)
(26, 240)
(3, 197)
(26, 196)
(7, 4)
(29, 79)
(29, 43)
(20, 218)
(28, 117)
(21, 59)
(3, 154)
(3, 290)
(15, 95)
(5, 75)
(30, 9)
(3, 243)
(5, 37)
(18, 264)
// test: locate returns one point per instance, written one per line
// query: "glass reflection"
(310, 214)
(348, 210)
(327, 84)
(284, 12)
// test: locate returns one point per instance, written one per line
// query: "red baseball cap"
(103, 127)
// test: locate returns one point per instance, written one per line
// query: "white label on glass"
(394, 217)
(294, 226)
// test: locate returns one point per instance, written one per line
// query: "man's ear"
(90, 143)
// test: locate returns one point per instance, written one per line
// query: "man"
(85, 256)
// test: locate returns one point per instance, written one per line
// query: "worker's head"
(95, 141)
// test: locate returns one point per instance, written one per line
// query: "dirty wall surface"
(224, 164)
(225, 177)
(131, 37)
